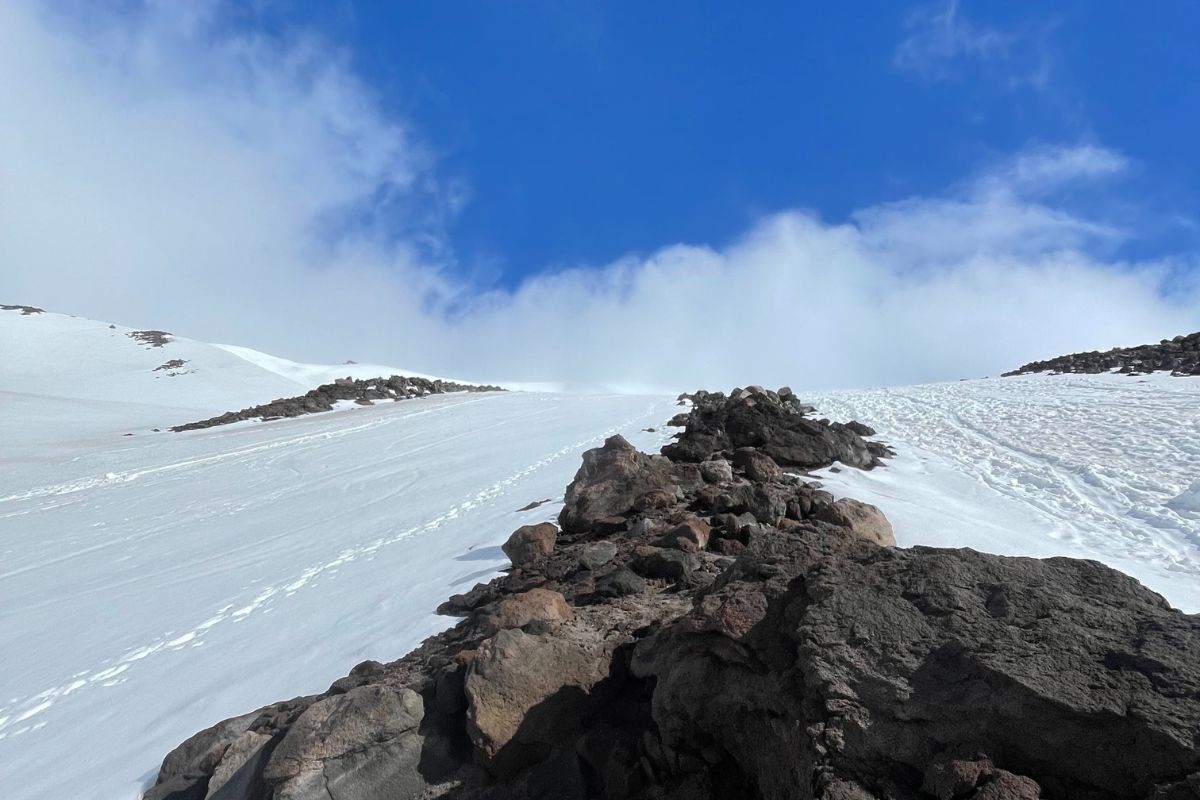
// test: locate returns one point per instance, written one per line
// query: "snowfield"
(1105, 467)
(152, 584)
(162, 583)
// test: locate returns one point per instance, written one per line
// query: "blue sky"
(582, 131)
(626, 194)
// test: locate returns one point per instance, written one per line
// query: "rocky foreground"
(1178, 356)
(707, 624)
(323, 398)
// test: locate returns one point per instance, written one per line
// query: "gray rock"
(716, 471)
(360, 745)
(597, 554)
(620, 583)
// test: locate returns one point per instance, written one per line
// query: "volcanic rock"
(796, 662)
(530, 544)
(775, 428)
(863, 519)
(1178, 356)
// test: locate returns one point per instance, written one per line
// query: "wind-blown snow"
(1103, 467)
(153, 584)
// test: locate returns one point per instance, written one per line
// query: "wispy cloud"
(942, 43)
(940, 35)
(169, 172)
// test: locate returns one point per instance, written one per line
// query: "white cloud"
(943, 44)
(939, 35)
(1044, 169)
(164, 172)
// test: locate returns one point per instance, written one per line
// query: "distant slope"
(102, 377)
(1178, 356)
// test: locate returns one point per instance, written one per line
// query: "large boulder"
(530, 544)
(518, 610)
(615, 480)
(360, 745)
(863, 520)
(527, 693)
(828, 661)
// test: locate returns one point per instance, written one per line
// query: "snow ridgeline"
(702, 624)
(326, 398)
(1179, 356)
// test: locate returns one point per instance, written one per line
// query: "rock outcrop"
(1178, 356)
(151, 338)
(323, 398)
(775, 424)
(703, 625)
(26, 311)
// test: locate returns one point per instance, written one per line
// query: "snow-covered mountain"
(153, 584)
(62, 374)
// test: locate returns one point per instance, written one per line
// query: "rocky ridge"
(363, 392)
(705, 624)
(1179, 356)
(26, 311)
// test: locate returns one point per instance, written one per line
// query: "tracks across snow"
(135, 607)
(1094, 466)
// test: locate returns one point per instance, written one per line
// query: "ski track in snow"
(19, 715)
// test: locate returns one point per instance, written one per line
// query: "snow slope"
(153, 588)
(156, 583)
(1094, 466)
(63, 377)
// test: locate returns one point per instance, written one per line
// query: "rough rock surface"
(363, 392)
(530, 544)
(776, 425)
(863, 519)
(790, 658)
(1178, 356)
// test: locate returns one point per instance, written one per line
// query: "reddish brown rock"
(864, 520)
(530, 544)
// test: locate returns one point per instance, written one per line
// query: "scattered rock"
(533, 505)
(173, 364)
(25, 310)
(150, 338)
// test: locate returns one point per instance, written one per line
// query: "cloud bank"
(164, 169)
